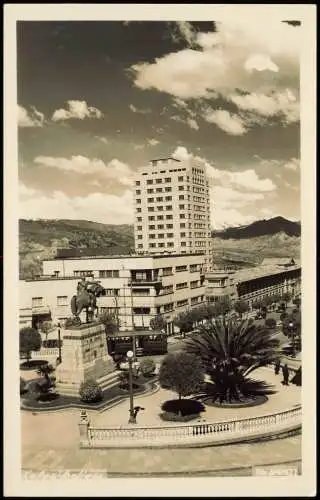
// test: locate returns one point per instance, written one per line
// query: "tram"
(144, 343)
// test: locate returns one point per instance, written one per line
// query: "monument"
(84, 349)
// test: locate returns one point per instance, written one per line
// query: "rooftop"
(260, 271)
(130, 256)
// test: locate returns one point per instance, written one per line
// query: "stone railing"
(190, 434)
(46, 351)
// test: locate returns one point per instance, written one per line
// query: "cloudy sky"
(96, 100)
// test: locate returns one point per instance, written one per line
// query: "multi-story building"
(272, 277)
(172, 209)
(137, 287)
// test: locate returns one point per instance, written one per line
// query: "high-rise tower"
(172, 209)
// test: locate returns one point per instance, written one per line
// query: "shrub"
(174, 417)
(271, 323)
(72, 321)
(147, 367)
(182, 372)
(90, 392)
(183, 406)
(30, 340)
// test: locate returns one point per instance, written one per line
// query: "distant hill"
(261, 228)
(40, 239)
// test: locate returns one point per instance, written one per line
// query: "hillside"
(40, 239)
(261, 228)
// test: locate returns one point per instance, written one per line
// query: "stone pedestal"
(85, 356)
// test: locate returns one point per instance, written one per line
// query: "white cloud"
(78, 110)
(137, 147)
(229, 217)
(293, 164)
(81, 165)
(97, 207)
(30, 119)
(153, 142)
(229, 123)
(260, 62)
(186, 121)
(186, 31)
(181, 153)
(192, 123)
(136, 110)
(102, 139)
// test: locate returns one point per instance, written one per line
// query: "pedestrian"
(296, 379)
(285, 373)
(277, 367)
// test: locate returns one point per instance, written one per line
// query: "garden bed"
(247, 402)
(34, 364)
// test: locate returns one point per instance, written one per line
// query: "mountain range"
(245, 245)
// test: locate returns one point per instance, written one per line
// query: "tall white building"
(172, 209)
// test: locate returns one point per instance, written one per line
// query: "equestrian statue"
(86, 298)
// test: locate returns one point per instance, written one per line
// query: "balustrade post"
(84, 429)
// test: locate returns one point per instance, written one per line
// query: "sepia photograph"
(159, 199)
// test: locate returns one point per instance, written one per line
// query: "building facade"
(172, 209)
(270, 278)
(137, 288)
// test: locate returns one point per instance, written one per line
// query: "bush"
(271, 323)
(181, 372)
(90, 392)
(283, 316)
(183, 407)
(147, 367)
(174, 417)
(30, 340)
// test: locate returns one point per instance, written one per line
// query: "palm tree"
(231, 350)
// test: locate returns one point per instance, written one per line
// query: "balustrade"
(214, 430)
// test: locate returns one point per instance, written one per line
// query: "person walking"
(285, 373)
(277, 367)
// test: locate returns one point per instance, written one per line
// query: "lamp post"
(132, 418)
(59, 343)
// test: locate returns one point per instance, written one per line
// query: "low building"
(272, 277)
(137, 287)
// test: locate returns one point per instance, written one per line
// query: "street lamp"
(59, 342)
(132, 418)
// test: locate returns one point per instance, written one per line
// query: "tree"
(43, 387)
(271, 323)
(230, 350)
(46, 327)
(147, 366)
(30, 340)
(204, 312)
(110, 322)
(158, 323)
(184, 321)
(241, 306)
(286, 297)
(181, 372)
(297, 302)
(283, 316)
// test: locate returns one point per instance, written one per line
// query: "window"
(181, 207)
(139, 219)
(182, 235)
(152, 226)
(150, 200)
(139, 228)
(137, 183)
(179, 286)
(139, 236)
(138, 200)
(182, 216)
(168, 307)
(194, 284)
(152, 236)
(151, 217)
(149, 191)
(141, 310)
(180, 178)
(112, 273)
(159, 190)
(168, 198)
(152, 245)
(37, 301)
(149, 181)
(168, 189)
(81, 274)
(158, 181)
(181, 303)
(140, 291)
(62, 300)
(181, 188)
(161, 236)
(170, 244)
(159, 217)
(160, 226)
(150, 209)
(160, 208)
(138, 210)
(161, 245)
(169, 217)
(169, 235)
(179, 269)
(159, 198)
(182, 224)
(138, 191)
(112, 292)
(167, 271)
(183, 244)
(169, 226)
(181, 196)
(167, 179)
